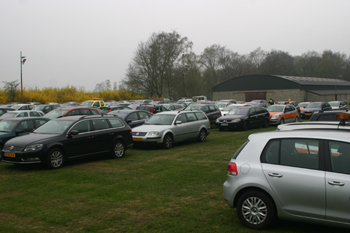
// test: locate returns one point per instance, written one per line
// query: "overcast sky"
(85, 42)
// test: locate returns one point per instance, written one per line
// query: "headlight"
(275, 116)
(34, 147)
(154, 134)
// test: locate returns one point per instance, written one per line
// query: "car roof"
(315, 134)
(314, 125)
(72, 107)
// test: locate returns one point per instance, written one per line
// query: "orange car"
(282, 113)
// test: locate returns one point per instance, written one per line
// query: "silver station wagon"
(166, 128)
(301, 175)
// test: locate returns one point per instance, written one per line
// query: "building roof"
(315, 80)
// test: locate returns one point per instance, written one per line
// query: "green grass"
(149, 190)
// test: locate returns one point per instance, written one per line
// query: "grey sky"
(85, 42)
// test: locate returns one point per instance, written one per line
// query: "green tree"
(11, 90)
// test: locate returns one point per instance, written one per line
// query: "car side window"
(205, 109)
(26, 126)
(85, 111)
(96, 104)
(132, 117)
(200, 116)
(212, 108)
(191, 116)
(252, 111)
(116, 123)
(143, 115)
(39, 123)
(34, 114)
(23, 114)
(100, 124)
(340, 156)
(73, 112)
(303, 153)
(182, 118)
(82, 127)
(94, 112)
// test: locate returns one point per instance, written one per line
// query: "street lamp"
(23, 60)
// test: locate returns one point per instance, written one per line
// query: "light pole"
(183, 73)
(22, 60)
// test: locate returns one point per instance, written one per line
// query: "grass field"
(149, 190)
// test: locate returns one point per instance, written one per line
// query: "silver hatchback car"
(301, 175)
(166, 128)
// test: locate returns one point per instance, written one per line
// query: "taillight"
(232, 169)
(130, 131)
(151, 110)
(110, 110)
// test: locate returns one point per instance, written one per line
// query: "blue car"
(314, 107)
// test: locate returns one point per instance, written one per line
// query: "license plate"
(308, 114)
(12, 155)
(224, 124)
(137, 139)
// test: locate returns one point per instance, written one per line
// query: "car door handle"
(336, 183)
(272, 174)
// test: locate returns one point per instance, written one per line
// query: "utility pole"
(183, 73)
(22, 60)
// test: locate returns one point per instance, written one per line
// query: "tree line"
(165, 66)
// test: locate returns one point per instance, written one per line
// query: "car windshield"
(87, 103)
(160, 120)
(56, 114)
(275, 108)
(334, 104)
(7, 125)
(54, 127)
(314, 105)
(239, 111)
(303, 105)
(229, 108)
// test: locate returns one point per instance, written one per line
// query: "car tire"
(55, 158)
(256, 210)
(118, 149)
(167, 141)
(245, 127)
(282, 121)
(202, 137)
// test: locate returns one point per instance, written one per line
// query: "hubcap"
(56, 159)
(168, 142)
(254, 210)
(118, 150)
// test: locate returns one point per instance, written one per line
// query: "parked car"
(72, 111)
(173, 107)
(95, 102)
(23, 113)
(13, 127)
(280, 114)
(152, 108)
(45, 108)
(338, 105)
(4, 110)
(327, 116)
(303, 105)
(262, 103)
(300, 175)
(314, 107)
(230, 107)
(169, 127)
(132, 117)
(244, 118)
(211, 110)
(67, 138)
(65, 104)
(105, 110)
(19, 107)
(223, 103)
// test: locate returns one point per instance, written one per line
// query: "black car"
(327, 116)
(244, 118)
(211, 110)
(314, 107)
(45, 108)
(13, 127)
(69, 138)
(132, 117)
(152, 108)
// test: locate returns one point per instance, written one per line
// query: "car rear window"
(200, 116)
(116, 123)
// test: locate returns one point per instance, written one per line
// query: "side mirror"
(18, 131)
(178, 122)
(73, 132)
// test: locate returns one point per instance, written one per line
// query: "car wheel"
(55, 158)
(256, 210)
(167, 141)
(245, 127)
(118, 149)
(282, 121)
(202, 137)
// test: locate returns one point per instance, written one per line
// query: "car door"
(103, 135)
(181, 131)
(292, 169)
(253, 119)
(193, 125)
(83, 143)
(338, 182)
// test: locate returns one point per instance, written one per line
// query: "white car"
(299, 175)
(23, 113)
(166, 128)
